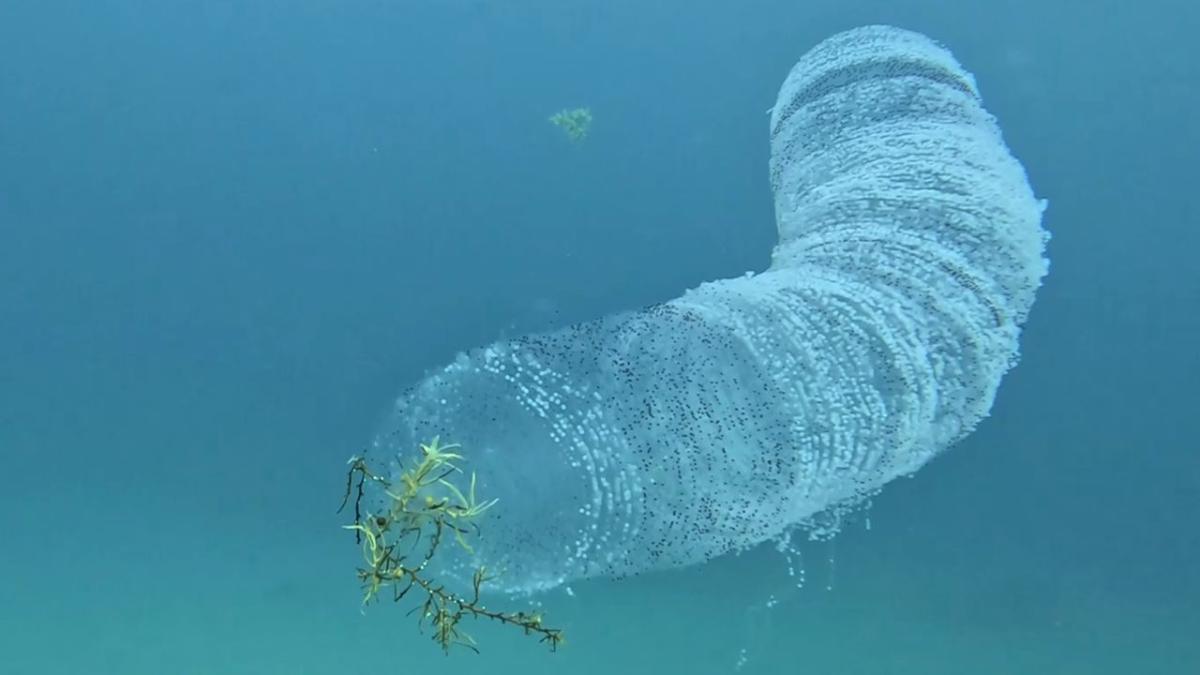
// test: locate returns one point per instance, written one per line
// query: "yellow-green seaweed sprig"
(423, 504)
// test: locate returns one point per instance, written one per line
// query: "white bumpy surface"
(910, 249)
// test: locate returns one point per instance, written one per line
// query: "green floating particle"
(574, 123)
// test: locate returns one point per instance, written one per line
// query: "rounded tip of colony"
(879, 34)
(864, 55)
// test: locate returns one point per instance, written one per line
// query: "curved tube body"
(910, 249)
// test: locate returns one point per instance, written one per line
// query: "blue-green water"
(230, 232)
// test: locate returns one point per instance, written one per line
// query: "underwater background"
(232, 231)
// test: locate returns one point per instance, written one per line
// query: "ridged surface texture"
(910, 249)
